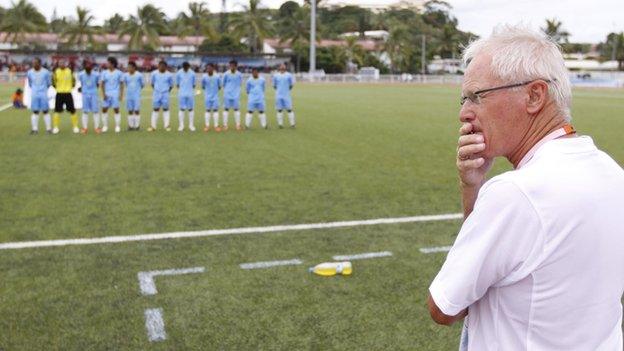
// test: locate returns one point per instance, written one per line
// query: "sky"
(586, 20)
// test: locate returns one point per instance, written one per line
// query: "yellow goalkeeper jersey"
(63, 80)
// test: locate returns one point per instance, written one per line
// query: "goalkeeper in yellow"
(63, 81)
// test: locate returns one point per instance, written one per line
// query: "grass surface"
(360, 151)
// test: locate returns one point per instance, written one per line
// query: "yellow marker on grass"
(329, 269)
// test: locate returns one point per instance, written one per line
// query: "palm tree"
(196, 22)
(23, 17)
(80, 32)
(555, 30)
(253, 24)
(113, 24)
(144, 29)
(295, 30)
(398, 47)
(354, 51)
(448, 41)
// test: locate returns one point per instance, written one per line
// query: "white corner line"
(362, 256)
(231, 231)
(268, 264)
(155, 324)
(146, 279)
(5, 106)
(428, 250)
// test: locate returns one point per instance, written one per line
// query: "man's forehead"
(478, 72)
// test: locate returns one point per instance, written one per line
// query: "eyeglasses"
(476, 97)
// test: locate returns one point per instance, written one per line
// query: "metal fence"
(592, 79)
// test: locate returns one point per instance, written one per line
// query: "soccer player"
(211, 83)
(283, 83)
(112, 92)
(255, 98)
(185, 81)
(89, 84)
(232, 82)
(162, 83)
(63, 81)
(133, 81)
(39, 80)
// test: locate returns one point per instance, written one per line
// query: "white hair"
(521, 54)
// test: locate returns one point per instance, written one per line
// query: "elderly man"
(539, 261)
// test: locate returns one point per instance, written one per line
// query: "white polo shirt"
(540, 260)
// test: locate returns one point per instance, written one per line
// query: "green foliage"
(79, 32)
(114, 24)
(196, 22)
(253, 24)
(145, 28)
(554, 29)
(613, 49)
(225, 44)
(21, 18)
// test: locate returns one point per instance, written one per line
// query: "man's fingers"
(466, 128)
(466, 151)
(465, 165)
(470, 139)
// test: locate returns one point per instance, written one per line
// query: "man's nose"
(466, 114)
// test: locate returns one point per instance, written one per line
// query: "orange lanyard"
(563, 131)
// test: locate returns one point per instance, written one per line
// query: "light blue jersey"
(89, 83)
(39, 82)
(185, 81)
(112, 82)
(232, 83)
(162, 84)
(211, 85)
(134, 84)
(255, 90)
(283, 83)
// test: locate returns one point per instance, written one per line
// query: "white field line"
(428, 250)
(146, 279)
(231, 231)
(5, 106)
(362, 256)
(268, 264)
(155, 324)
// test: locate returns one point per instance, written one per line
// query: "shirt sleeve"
(499, 244)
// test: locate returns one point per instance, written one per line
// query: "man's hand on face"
(471, 165)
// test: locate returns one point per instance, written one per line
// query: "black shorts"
(64, 99)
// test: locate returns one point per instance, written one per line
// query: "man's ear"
(537, 96)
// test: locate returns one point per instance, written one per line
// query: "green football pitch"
(359, 152)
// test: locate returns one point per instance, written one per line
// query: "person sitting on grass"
(18, 99)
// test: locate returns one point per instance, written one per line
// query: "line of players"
(111, 81)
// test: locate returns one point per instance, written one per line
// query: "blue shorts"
(212, 104)
(231, 103)
(110, 101)
(283, 103)
(255, 106)
(133, 103)
(39, 103)
(90, 103)
(186, 102)
(161, 100)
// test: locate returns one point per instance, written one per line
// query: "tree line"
(245, 31)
